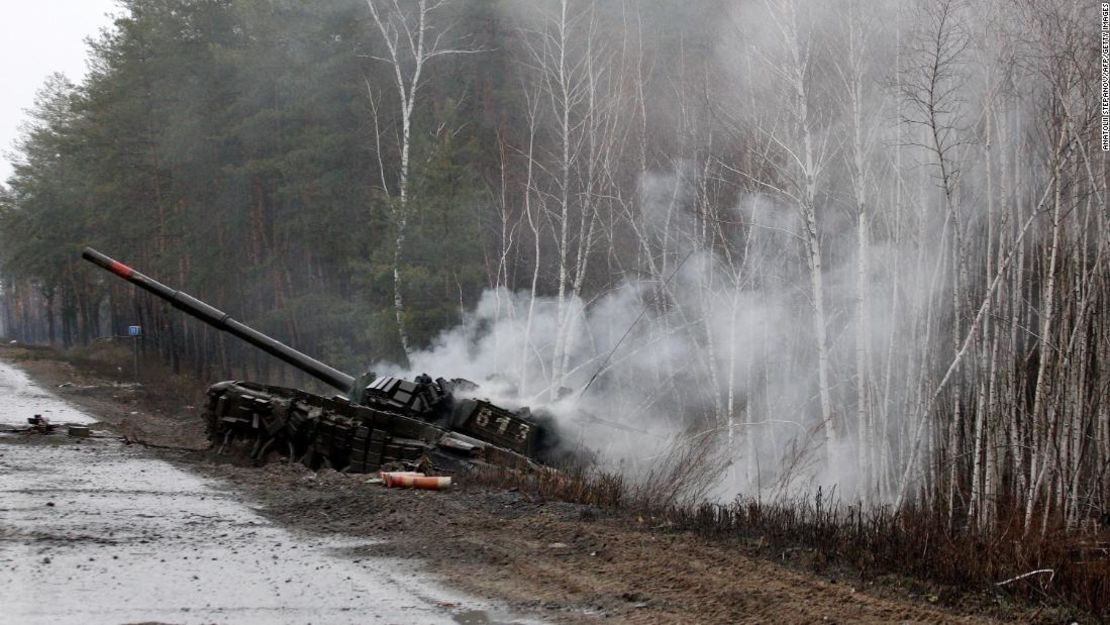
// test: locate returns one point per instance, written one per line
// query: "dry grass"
(869, 541)
(919, 542)
(114, 361)
(682, 476)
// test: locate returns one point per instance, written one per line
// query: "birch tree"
(412, 39)
(572, 67)
(804, 155)
(858, 86)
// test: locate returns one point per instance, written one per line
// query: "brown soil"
(564, 562)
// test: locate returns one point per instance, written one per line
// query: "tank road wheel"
(227, 437)
(257, 447)
(265, 448)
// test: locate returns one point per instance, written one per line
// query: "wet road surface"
(95, 532)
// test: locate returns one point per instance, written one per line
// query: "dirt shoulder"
(565, 562)
(570, 562)
(160, 408)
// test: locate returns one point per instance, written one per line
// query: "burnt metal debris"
(40, 424)
(376, 422)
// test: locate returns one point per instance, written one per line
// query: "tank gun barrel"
(223, 321)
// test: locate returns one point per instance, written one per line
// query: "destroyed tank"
(374, 422)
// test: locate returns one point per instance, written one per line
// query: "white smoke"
(715, 333)
(698, 345)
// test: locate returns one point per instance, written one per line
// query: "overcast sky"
(38, 37)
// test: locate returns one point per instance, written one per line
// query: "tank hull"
(268, 422)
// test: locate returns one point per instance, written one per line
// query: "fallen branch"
(1051, 575)
(129, 440)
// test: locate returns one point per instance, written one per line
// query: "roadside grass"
(1065, 567)
(1066, 570)
(114, 361)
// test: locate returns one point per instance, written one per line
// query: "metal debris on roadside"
(40, 424)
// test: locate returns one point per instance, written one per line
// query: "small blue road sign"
(134, 330)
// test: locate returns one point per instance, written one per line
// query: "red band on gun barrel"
(120, 269)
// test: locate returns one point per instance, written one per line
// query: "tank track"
(262, 420)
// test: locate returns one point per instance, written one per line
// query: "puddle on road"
(98, 533)
(480, 617)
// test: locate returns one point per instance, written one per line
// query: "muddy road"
(95, 531)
